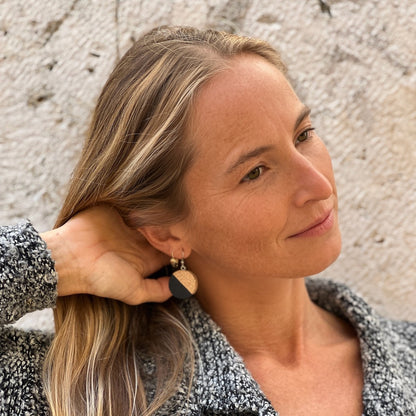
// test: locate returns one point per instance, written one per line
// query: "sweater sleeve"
(28, 279)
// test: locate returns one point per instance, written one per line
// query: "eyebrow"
(306, 111)
(263, 149)
(247, 156)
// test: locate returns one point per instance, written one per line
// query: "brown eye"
(254, 174)
(305, 135)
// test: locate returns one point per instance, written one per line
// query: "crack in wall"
(54, 25)
(325, 7)
(116, 16)
(230, 16)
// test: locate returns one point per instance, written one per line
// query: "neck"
(275, 318)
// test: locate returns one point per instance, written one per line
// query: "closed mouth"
(317, 227)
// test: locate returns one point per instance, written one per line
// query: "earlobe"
(182, 282)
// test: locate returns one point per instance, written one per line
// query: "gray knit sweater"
(222, 385)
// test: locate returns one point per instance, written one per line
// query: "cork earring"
(182, 283)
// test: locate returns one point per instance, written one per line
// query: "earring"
(174, 262)
(183, 283)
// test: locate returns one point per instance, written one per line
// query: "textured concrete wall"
(353, 63)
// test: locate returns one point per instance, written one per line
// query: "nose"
(312, 180)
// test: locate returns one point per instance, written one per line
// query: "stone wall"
(352, 61)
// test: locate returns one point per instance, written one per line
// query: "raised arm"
(27, 275)
(95, 252)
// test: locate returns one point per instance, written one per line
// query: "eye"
(254, 174)
(305, 135)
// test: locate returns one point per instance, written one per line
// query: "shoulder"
(401, 338)
(387, 348)
(343, 301)
(406, 332)
(21, 360)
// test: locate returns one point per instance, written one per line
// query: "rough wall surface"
(352, 61)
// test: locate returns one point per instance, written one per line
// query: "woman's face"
(261, 188)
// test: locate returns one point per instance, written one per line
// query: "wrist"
(69, 279)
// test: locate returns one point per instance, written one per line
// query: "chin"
(326, 257)
(332, 253)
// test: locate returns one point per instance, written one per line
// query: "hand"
(95, 252)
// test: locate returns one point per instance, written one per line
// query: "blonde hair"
(134, 158)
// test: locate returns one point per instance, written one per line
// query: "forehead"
(250, 96)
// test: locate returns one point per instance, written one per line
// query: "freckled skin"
(261, 189)
(245, 238)
(240, 226)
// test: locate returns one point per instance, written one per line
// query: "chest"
(325, 388)
(323, 396)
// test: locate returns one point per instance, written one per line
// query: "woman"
(201, 145)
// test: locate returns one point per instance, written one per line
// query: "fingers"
(152, 290)
(109, 248)
(154, 262)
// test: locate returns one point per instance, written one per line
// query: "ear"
(167, 239)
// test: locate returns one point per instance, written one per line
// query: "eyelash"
(257, 168)
(308, 132)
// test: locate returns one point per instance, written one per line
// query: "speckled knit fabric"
(27, 283)
(222, 385)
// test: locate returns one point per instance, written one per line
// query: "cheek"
(246, 224)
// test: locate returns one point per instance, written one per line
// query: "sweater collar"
(223, 385)
(383, 347)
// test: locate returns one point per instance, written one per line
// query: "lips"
(317, 227)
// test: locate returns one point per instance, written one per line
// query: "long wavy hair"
(134, 158)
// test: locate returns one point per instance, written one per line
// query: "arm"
(27, 274)
(95, 252)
